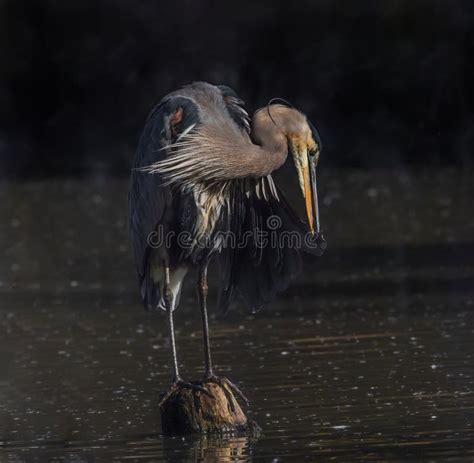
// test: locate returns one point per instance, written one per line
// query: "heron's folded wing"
(150, 202)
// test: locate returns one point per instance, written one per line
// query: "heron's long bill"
(311, 195)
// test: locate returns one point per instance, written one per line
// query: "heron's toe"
(223, 380)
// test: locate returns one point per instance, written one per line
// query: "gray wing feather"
(235, 107)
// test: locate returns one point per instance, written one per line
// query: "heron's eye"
(314, 152)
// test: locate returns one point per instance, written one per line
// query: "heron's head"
(305, 147)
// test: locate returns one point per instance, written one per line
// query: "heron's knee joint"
(168, 296)
(203, 288)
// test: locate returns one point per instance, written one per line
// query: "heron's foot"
(212, 378)
(180, 384)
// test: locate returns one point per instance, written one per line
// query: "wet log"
(189, 411)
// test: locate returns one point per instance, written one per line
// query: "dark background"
(387, 83)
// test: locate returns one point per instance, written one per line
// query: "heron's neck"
(268, 152)
(218, 154)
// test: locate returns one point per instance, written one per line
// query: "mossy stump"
(188, 411)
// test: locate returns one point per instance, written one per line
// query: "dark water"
(367, 357)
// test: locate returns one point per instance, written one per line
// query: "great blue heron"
(203, 169)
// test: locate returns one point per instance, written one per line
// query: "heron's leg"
(177, 382)
(209, 373)
(168, 299)
(202, 296)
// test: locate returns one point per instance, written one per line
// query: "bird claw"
(180, 384)
(221, 381)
